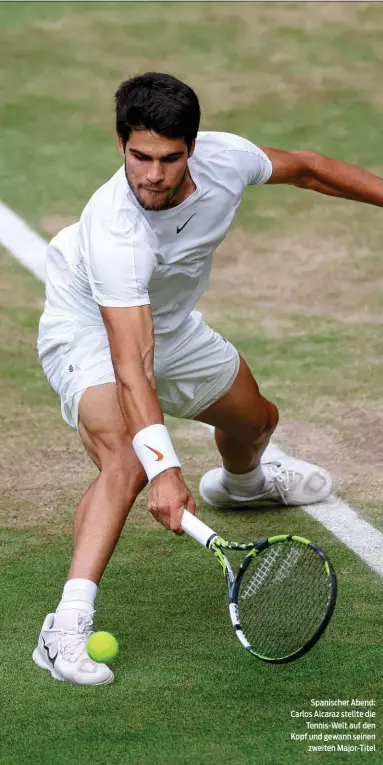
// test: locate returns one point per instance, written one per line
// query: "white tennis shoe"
(63, 653)
(288, 481)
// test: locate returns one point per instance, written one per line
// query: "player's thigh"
(104, 434)
(242, 409)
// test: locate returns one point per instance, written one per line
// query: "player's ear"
(120, 145)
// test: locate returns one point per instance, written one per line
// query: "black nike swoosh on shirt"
(185, 224)
(52, 659)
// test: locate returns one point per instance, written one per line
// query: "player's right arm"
(131, 341)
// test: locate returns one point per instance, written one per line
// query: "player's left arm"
(310, 170)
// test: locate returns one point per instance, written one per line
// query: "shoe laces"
(72, 642)
(282, 478)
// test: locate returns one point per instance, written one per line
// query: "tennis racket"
(283, 596)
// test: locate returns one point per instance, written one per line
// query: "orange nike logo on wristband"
(159, 455)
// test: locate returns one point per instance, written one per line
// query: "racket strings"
(283, 597)
(262, 572)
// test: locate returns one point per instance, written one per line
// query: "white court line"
(24, 244)
(338, 517)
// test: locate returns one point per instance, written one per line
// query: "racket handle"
(197, 529)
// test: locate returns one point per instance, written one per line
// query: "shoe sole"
(42, 664)
(263, 502)
(239, 503)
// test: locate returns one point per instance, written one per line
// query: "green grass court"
(296, 286)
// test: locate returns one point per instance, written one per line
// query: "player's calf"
(241, 449)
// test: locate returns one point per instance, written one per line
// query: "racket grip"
(197, 529)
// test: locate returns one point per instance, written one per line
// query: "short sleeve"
(119, 261)
(254, 166)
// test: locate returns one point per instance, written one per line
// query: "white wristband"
(155, 450)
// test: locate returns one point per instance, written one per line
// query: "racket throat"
(234, 616)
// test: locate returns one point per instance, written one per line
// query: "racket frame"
(217, 545)
(233, 593)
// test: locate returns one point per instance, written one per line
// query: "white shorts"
(193, 367)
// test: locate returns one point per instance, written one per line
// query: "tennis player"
(120, 342)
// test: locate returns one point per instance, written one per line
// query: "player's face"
(156, 169)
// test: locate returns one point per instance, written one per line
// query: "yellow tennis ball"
(102, 646)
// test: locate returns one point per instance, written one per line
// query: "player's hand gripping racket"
(283, 596)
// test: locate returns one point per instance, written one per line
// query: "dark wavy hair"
(158, 102)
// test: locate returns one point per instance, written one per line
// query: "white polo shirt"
(119, 254)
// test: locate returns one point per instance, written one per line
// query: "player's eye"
(143, 158)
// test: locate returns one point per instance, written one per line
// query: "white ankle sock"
(78, 595)
(244, 483)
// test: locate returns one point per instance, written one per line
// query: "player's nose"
(155, 173)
